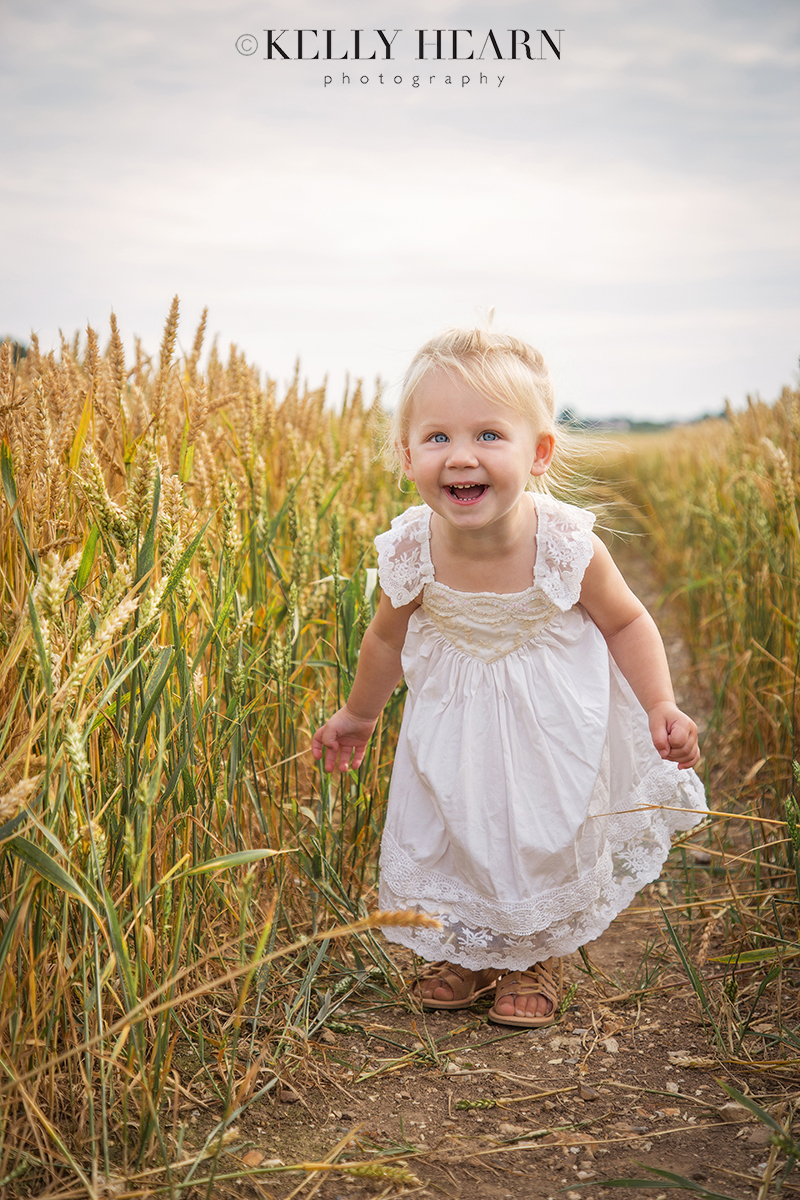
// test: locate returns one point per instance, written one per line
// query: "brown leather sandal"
(536, 981)
(465, 985)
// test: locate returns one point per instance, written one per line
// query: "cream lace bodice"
(484, 624)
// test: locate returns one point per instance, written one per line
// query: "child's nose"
(462, 454)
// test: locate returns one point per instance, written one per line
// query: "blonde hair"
(500, 367)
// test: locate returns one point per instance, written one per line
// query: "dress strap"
(563, 549)
(404, 555)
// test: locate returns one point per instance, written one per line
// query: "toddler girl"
(542, 764)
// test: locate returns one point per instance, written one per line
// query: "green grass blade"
(87, 558)
(49, 869)
(145, 560)
(10, 489)
(41, 651)
(756, 1109)
(664, 1180)
(757, 956)
(120, 948)
(156, 682)
(694, 978)
(240, 859)
(179, 570)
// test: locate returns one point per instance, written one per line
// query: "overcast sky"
(630, 208)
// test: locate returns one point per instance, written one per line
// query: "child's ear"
(405, 459)
(544, 454)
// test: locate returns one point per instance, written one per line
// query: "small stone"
(328, 1037)
(253, 1158)
(403, 1095)
(734, 1113)
(509, 1130)
(673, 1089)
(611, 1045)
(587, 1093)
(759, 1136)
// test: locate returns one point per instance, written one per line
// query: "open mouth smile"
(466, 493)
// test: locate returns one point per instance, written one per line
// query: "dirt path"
(455, 1106)
(471, 1109)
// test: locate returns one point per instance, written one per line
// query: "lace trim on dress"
(563, 552)
(404, 556)
(479, 933)
(563, 549)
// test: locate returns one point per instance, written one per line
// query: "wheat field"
(187, 569)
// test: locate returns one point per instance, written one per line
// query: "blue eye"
(489, 436)
(439, 437)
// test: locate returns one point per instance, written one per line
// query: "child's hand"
(342, 737)
(674, 734)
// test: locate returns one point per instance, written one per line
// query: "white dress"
(528, 804)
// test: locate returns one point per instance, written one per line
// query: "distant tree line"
(571, 420)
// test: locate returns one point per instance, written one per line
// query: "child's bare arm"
(637, 648)
(345, 735)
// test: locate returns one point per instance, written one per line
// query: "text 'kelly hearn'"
(366, 45)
